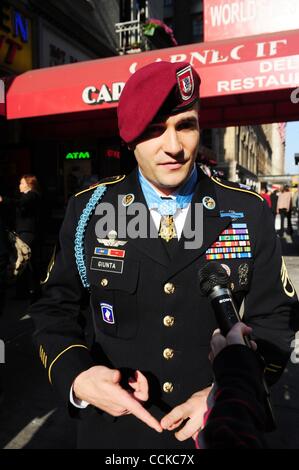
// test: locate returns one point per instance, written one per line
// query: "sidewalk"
(31, 418)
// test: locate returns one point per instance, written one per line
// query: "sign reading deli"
(15, 39)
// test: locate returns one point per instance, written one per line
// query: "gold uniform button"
(169, 288)
(168, 353)
(167, 387)
(104, 282)
(168, 321)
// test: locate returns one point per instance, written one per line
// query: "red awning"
(243, 81)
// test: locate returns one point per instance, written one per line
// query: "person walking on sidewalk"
(284, 208)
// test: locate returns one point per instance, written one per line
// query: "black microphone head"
(210, 275)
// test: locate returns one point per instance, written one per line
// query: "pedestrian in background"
(265, 193)
(284, 208)
(274, 198)
(28, 227)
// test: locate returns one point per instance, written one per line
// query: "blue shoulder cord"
(80, 233)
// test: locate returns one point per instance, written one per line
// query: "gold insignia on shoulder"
(104, 182)
(288, 287)
(220, 183)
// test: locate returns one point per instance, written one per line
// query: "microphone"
(214, 284)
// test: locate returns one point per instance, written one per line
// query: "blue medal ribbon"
(168, 205)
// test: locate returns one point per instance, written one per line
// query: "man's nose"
(171, 142)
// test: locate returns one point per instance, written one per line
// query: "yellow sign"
(15, 39)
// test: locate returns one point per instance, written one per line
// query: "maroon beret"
(160, 88)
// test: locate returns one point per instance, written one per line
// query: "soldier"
(143, 380)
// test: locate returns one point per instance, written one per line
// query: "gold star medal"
(167, 228)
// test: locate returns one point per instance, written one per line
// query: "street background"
(32, 418)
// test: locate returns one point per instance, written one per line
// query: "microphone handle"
(225, 311)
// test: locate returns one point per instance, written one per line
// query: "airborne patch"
(107, 313)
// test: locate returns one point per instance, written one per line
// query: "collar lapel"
(213, 225)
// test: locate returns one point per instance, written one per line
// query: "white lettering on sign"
(259, 81)
(87, 95)
(92, 95)
(104, 95)
(216, 56)
(269, 48)
(231, 13)
(280, 65)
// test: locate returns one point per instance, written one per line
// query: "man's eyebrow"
(190, 119)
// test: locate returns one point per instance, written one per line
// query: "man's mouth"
(173, 164)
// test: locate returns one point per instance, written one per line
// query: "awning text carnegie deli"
(95, 95)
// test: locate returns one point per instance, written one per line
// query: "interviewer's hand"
(234, 336)
(100, 386)
(194, 409)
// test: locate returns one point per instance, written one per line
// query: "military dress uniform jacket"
(157, 320)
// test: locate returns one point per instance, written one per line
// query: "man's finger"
(191, 427)
(216, 332)
(136, 409)
(173, 419)
(140, 386)
(114, 376)
(237, 333)
(218, 342)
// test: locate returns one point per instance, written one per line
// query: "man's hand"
(100, 386)
(194, 409)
